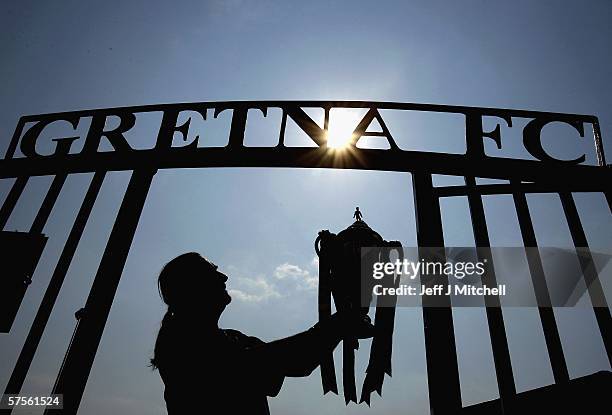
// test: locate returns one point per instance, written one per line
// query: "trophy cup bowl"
(343, 254)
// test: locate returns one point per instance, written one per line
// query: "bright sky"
(259, 225)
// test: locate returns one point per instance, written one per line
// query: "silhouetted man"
(206, 369)
(357, 215)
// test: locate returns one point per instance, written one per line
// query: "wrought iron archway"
(545, 174)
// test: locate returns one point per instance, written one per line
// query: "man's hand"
(300, 354)
(355, 324)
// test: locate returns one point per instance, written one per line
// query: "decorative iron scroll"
(235, 154)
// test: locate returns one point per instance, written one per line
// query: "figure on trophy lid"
(357, 215)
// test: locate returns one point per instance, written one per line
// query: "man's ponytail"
(161, 338)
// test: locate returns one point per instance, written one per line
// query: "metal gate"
(545, 174)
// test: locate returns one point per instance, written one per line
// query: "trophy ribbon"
(328, 370)
(382, 344)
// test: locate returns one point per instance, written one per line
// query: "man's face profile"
(212, 285)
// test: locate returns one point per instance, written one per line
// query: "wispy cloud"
(253, 289)
(284, 281)
(301, 278)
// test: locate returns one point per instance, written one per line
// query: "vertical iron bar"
(44, 311)
(20, 183)
(80, 356)
(596, 293)
(599, 148)
(608, 195)
(547, 315)
(11, 200)
(495, 318)
(440, 348)
(47, 205)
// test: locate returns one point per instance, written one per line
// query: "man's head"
(191, 284)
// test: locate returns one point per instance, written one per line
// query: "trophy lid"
(361, 233)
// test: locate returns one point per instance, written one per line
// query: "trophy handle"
(316, 244)
(325, 237)
(394, 246)
(325, 234)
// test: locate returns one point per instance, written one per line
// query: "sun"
(342, 123)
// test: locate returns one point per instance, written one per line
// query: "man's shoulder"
(239, 338)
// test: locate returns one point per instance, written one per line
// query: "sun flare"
(337, 142)
(342, 123)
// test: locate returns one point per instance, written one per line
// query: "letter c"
(532, 139)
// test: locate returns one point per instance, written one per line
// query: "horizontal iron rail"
(503, 188)
(407, 106)
(366, 159)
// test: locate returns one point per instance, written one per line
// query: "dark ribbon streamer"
(382, 344)
(380, 354)
(328, 370)
(348, 370)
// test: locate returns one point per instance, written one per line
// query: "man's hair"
(173, 283)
